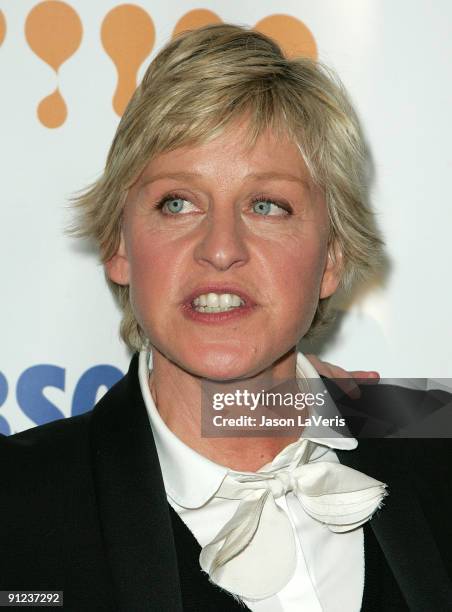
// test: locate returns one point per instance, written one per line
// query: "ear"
(117, 267)
(333, 271)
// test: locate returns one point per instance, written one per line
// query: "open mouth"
(217, 302)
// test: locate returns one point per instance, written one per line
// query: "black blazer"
(83, 509)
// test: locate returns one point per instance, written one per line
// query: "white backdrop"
(59, 323)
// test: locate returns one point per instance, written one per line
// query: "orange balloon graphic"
(128, 36)
(195, 19)
(2, 27)
(52, 110)
(295, 38)
(54, 32)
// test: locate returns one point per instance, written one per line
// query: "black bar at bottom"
(22, 599)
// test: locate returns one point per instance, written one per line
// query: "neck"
(177, 395)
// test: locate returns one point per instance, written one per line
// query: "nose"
(221, 243)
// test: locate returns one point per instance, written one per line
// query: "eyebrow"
(253, 175)
(278, 176)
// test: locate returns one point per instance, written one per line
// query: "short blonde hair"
(196, 86)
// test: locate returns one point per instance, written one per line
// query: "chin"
(219, 364)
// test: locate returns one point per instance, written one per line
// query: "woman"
(231, 208)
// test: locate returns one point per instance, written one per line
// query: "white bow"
(254, 554)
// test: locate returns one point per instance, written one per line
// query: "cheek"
(155, 273)
(297, 269)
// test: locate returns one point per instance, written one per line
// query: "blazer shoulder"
(42, 458)
(395, 411)
(63, 444)
(37, 440)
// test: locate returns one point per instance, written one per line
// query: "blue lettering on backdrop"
(89, 384)
(30, 398)
(4, 427)
(32, 382)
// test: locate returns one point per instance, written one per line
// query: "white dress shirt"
(329, 574)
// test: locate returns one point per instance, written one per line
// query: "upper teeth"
(218, 300)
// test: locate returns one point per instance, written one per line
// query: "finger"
(348, 385)
(366, 376)
(343, 379)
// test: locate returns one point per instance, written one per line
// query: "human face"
(230, 220)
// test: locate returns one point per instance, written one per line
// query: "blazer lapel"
(197, 590)
(133, 509)
(401, 527)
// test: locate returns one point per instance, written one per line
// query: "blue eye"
(268, 208)
(174, 205)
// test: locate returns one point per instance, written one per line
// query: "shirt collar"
(190, 478)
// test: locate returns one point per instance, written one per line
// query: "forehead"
(230, 157)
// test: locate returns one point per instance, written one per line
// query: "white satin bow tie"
(254, 554)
